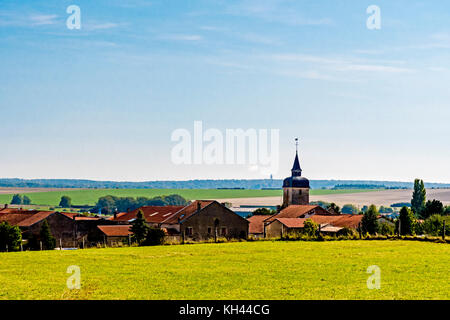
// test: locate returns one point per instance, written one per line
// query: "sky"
(102, 102)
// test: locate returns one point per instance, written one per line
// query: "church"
(295, 187)
(296, 209)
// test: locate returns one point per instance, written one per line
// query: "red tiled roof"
(341, 220)
(152, 214)
(15, 218)
(187, 211)
(292, 222)
(23, 218)
(116, 230)
(35, 218)
(296, 211)
(86, 218)
(256, 224)
(70, 214)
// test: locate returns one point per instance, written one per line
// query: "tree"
(418, 197)
(387, 228)
(369, 221)
(447, 211)
(431, 208)
(139, 227)
(16, 199)
(264, 212)
(407, 221)
(433, 225)
(349, 209)
(310, 227)
(333, 208)
(10, 236)
(26, 200)
(66, 202)
(48, 241)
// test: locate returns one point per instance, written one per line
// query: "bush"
(155, 237)
(386, 228)
(433, 225)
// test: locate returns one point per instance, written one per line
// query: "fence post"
(40, 244)
(443, 231)
(60, 244)
(21, 247)
(360, 231)
(6, 248)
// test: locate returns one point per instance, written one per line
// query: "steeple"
(296, 169)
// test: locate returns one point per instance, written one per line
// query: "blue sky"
(102, 102)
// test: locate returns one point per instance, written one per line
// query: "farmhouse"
(69, 229)
(200, 220)
(113, 234)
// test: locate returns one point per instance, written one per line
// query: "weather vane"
(296, 144)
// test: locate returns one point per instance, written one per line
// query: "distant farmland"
(90, 196)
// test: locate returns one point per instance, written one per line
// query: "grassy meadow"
(90, 196)
(241, 270)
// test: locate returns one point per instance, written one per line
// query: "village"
(198, 221)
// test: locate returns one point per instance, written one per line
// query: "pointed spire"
(296, 169)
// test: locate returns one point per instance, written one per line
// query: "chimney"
(199, 206)
(6, 206)
(115, 215)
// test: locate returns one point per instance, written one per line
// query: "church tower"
(295, 187)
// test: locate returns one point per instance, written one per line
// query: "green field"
(246, 270)
(90, 196)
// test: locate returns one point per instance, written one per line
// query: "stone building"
(69, 229)
(200, 220)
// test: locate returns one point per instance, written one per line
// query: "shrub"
(155, 237)
(386, 228)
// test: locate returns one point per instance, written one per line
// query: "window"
(224, 231)
(189, 231)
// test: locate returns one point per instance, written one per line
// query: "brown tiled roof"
(152, 214)
(86, 218)
(296, 211)
(341, 220)
(116, 230)
(35, 218)
(256, 224)
(292, 222)
(70, 214)
(14, 218)
(187, 211)
(23, 218)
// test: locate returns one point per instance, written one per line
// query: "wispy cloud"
(278, 11)
(181, 37)
(15, 19)
(43, 19)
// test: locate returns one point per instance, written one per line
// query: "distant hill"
(203, 184)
